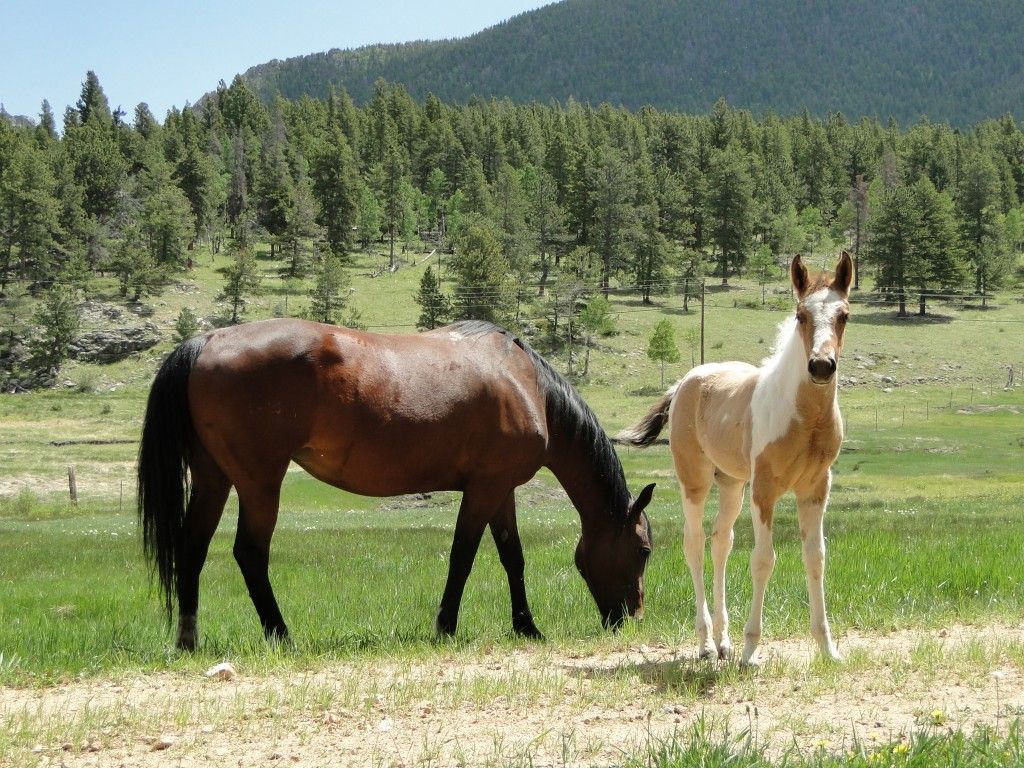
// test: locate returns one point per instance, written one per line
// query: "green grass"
(927, 493)
(705, 746)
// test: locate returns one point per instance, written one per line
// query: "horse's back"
(372, 413)
(711, 418)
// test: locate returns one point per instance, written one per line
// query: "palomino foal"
(778, 427)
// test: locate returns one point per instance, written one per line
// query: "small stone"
(161, 743)
(222, 671)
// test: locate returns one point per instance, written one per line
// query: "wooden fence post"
(72, 485)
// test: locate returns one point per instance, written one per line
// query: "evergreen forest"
(539, 210)
(954, 62)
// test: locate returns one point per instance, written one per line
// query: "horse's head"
(611, 559)
(821, 312)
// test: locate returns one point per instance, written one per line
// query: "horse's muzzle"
(822, 369)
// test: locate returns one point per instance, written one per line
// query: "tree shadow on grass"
(891, 318)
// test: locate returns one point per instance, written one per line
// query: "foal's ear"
(844, 275)
(641, 501)
(798, 274)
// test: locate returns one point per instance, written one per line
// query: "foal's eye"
(801, 318)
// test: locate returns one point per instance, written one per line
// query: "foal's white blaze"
(823, 305)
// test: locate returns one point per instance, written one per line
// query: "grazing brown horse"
(464, 408)
(778, 427)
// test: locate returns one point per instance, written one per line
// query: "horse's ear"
(798, 274)
(844, 275)
(641, 501)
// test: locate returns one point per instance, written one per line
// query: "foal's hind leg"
(730, 501)
(695, 482)
(205, 504)
(476, 510)
(257, 517)
(510, 551)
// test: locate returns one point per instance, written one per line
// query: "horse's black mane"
(569, 417)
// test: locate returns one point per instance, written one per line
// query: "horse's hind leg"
(730, 501)
(257, 517)
(474, 514)
(510, 551)
(205, 505)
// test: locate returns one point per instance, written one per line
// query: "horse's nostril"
(821, 368)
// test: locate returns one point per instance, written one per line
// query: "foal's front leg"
(811, 513)
(762, 563)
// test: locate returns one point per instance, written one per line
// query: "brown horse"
(464, 408)
(777, 426)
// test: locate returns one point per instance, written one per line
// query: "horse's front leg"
(510, 551)
(469, 528)
(762, 562)
(811, 513)
(730, 502)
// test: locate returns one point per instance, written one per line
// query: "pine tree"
(892, 248)
(612, 188)
(57, 322)
(186, 325)
(480, 273)
(662, 346)
(595, 319)
(330, 292)
(978, 205)
(336, 187)
(275, 188)
(435, 309)
(730, 208)
(939, 263)
(242, 278)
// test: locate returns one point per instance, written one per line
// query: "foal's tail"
(164, 453)
(649, 427)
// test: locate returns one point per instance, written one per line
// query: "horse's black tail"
(164, 454)
(649, 427)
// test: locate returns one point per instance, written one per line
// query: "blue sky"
(167, 53)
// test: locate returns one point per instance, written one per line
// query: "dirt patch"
(539, 705)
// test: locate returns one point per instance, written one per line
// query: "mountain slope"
(950, 60)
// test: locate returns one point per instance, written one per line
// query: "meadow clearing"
(923, 580)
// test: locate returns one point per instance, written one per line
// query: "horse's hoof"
(725, 653)
(444, 628)
(707, 654)
(186, 645)
(528, 631)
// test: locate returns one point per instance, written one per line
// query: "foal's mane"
(569, 418)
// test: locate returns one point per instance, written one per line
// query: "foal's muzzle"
(822, 369)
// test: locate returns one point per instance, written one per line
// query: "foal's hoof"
(725, 653)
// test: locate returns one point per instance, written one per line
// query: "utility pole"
(702, 322)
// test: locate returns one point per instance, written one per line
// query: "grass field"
(924, 533)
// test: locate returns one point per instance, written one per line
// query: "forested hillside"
(541, 210)
(953, 61)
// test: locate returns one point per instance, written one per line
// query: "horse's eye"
(801, 318)
(645, 552)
